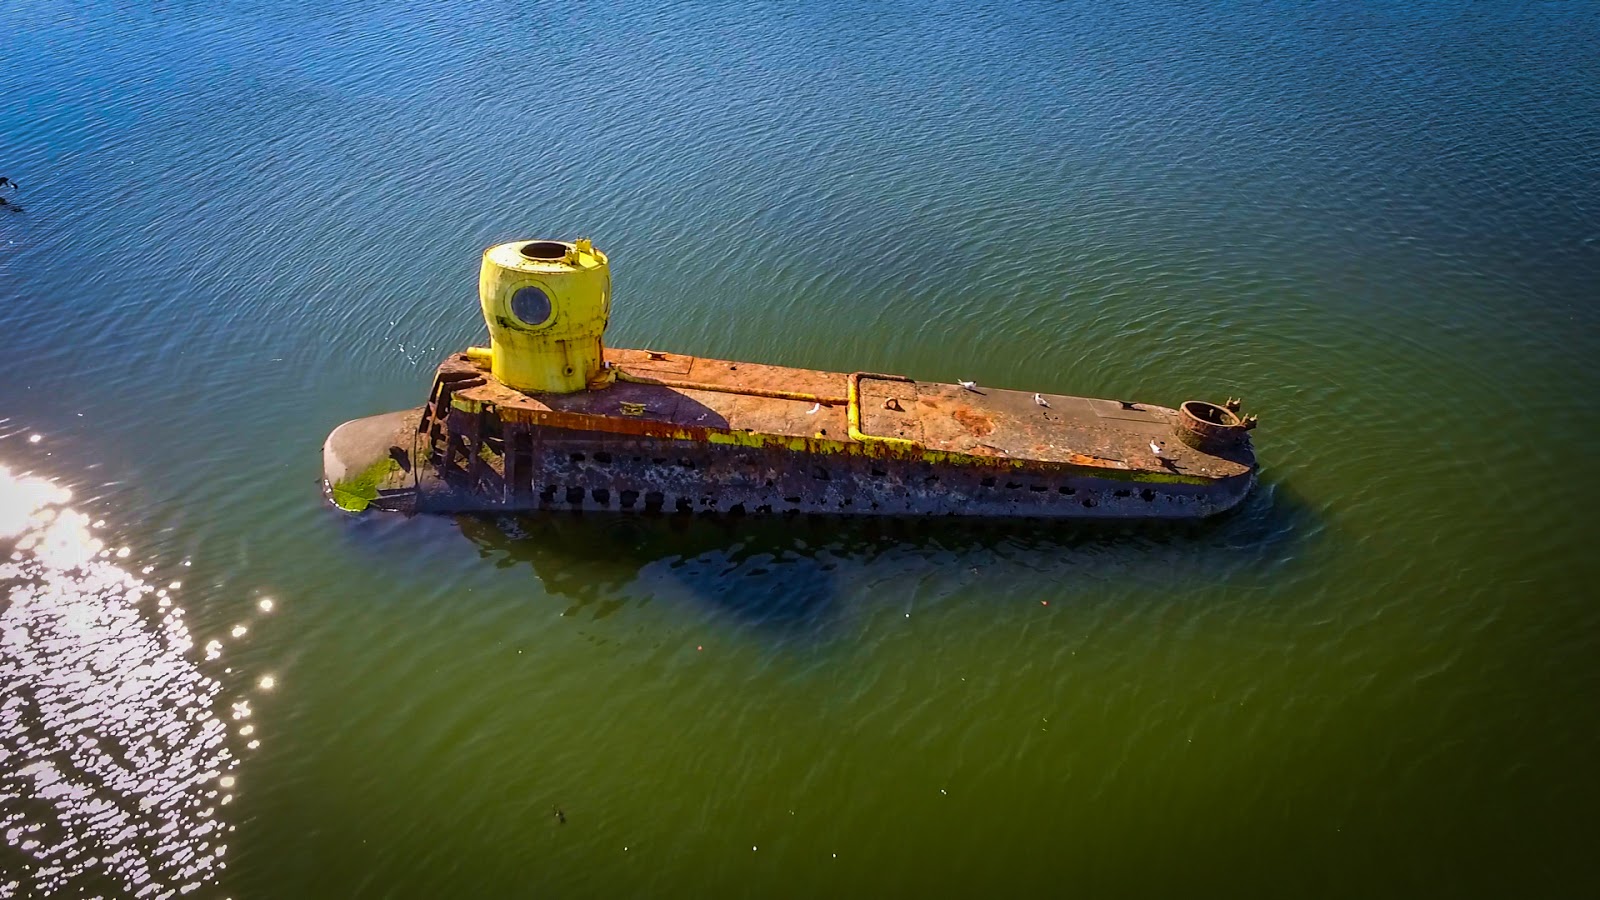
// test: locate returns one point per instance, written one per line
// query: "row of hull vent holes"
(821, 474)
(655, 500)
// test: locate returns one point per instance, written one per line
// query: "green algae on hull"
(355, 494)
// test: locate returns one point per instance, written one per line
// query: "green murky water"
(242, 226)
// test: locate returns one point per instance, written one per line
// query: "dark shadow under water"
(786, 576)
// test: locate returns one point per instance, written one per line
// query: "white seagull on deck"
(1158, 450)
(969, 385)
(1041, 401)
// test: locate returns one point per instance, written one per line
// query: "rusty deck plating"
(676, 397)
(680, 433)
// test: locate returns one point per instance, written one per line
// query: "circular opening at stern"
(1210, 412)
(544, 251)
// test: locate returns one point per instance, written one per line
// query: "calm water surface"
(245, 223)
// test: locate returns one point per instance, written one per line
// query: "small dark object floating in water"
(547, 417)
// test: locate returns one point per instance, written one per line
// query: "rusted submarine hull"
(669, 433)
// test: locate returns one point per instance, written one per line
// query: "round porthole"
(531, 306)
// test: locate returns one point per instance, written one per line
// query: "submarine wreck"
(547, 417)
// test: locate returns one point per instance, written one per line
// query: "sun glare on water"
(116, 763)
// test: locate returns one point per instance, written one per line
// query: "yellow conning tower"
(547, 304)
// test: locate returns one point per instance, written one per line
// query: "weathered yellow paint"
(853, 414)
(562, 353)
(756, 439)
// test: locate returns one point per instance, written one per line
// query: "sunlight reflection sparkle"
(108, 730)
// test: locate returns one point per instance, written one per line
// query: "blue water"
(241, 225)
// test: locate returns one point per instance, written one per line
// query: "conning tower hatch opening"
(544, 251)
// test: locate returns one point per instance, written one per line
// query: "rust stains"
(974, 421)
(800, 412)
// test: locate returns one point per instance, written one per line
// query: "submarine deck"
(695, 398)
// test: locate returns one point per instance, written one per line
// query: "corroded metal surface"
(1211, 428)
(547, 416)
(677, 433)
(750, 404)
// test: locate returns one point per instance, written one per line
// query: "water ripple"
(115, 763)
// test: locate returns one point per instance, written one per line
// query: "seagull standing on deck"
(969, 385)
(1158, 450)
(1041, 401)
